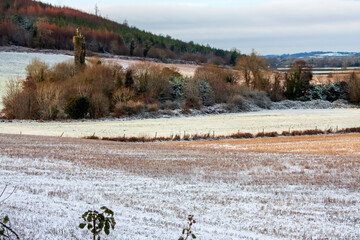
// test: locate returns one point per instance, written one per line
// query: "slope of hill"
(316, 54)
(37, 25)
(316, 59)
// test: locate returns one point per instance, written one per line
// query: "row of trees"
(295, 84)
(101, 89)
(331, 62)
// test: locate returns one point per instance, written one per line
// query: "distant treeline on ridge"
(38, 25)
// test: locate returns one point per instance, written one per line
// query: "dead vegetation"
(238, 135)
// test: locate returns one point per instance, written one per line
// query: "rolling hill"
(38, 25)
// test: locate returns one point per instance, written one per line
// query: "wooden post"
(79, 51)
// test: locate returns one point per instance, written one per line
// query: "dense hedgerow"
(111, 90)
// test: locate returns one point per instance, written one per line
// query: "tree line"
(38, 25)
(103, 90)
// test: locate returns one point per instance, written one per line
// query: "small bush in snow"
(96, 221)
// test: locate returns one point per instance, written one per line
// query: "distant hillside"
(315, 54)
(38, 25)
(316, 59)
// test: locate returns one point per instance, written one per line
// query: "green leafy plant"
(6, 232)
(96, 221)
(187, 232)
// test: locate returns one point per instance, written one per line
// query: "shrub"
(152, 107)
(96, 221)
(236, 102)
(77, 107)
(217, 78)
(48, 99)
(207, 95)
(62, 71)
(123, 95)
(298, 80)
(19, 102)
(257, 97)
(99, 105)
(354, 88)
(129, 108)
(276, 89)
(129, 81)
(171, 105)
(177, 87)
(191, 94)
(37, 70)
(314, 92)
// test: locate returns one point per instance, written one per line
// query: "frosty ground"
(221, 124)
(236, 189)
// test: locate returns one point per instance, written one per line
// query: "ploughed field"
(270, 188)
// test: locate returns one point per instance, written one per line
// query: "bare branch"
(10, 229)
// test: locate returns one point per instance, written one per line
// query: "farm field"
(339, 144)
(222, 124)
(270, 188)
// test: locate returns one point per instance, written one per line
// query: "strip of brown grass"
(238, 135)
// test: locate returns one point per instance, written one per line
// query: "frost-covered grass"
(152, 187)
(224, 124)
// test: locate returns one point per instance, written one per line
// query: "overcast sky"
(268, 26)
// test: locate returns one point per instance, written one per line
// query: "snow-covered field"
(253, 122)
(233, 194)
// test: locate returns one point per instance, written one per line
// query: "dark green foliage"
(315, 92)
(233, 57)
(147, 47)
(206, 93)
(298, 81)
(275, 89)
(330, 92)
(132, 47)
(6, 232)
(77, 107)
(177, 87)
(129, 81)
(96, 222)
(187, 232)
(5, 6)
(335, 91)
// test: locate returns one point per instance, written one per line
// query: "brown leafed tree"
(252, 67)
